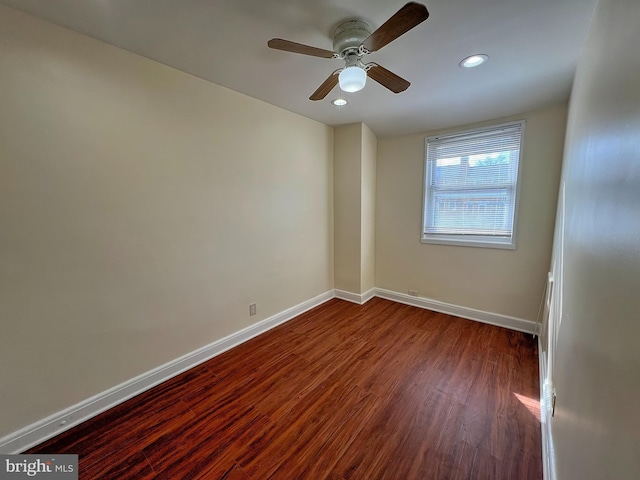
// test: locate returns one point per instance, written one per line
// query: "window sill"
(484, 242)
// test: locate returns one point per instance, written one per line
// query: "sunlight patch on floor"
(531, 404)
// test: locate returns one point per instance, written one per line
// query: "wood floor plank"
(337, 358)
(378, 391)
(309, 422)
(186, 453)
(221, 471)
(129, 467)
(350, 414)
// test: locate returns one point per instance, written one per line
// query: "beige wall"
(347, 208)
(355, 150)
(596, 372)
(508, 282)
(368, 213)
(141, 211)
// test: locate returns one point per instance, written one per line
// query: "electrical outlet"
(253, 309)
(413, 293)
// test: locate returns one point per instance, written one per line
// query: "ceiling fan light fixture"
(474, 60)
(352, 79)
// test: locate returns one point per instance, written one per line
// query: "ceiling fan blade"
(328, 85)
(405, 19)
(387, 79)
(288, 46)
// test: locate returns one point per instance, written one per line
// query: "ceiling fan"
(353, 40)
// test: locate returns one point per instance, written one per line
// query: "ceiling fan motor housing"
(349, 36)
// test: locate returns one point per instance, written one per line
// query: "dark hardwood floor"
(379, 391)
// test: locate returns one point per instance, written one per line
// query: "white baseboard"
(512, 323)
(59, 422)
(548, 452)
(359, 298)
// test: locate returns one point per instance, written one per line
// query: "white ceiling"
(533, 47)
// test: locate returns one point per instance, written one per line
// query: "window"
(471, 187)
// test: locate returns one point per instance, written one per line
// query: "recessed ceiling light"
(339, 102)
(474, 60)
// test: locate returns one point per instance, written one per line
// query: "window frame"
(485, 241)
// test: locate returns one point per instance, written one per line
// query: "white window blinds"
(471, 185)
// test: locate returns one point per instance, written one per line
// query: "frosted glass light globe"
(352, 79)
